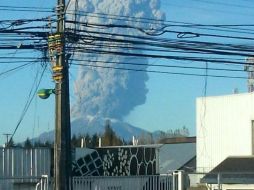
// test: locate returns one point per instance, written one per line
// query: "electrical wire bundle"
(182, 48)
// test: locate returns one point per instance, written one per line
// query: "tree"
(48, 144)
(74, 141)
(162, 135)
(185, 131)
(95, 140)
(109, 138)
(146, 138)
(169, 133)
(87, 141)
(37, 144)
(11, 143)
(28, 143)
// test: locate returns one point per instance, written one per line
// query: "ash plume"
(105, 92)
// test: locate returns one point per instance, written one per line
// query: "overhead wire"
(158, 72)
(109, 45)
(209, 9)
(224, 4)
(145, 19)
(14, 69)
(30, 98)
(157, 65)
(165, 23)
(155, 32)
(190, 47)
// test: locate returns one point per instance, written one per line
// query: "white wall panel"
(223, 128)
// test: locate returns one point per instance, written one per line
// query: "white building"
(225, 127)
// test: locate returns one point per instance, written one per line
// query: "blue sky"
(171, 99)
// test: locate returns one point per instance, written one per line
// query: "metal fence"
(92, 183)
(124, 183)
(20, 162)
(173, 181)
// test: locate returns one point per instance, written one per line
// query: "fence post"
(38, 184)
(219, 181)
(45, 182)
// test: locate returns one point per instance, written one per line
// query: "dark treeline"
(108, 138)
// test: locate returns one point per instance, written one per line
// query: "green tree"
(74, 141)
(88, 141)
(146, 138)
(95, 140)
(11, 143)
(109, 138)
(48, 144)
(169, 133)
(185, 131)
(28, 143)
(38, 144)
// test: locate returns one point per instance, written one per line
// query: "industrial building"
(225, 127)
(22, 168)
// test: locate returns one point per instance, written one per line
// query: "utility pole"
(7, 138)
(62, 147)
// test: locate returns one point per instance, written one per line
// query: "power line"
(158, 56)
(14, 69)
(26, 7)
(160, 22)
(157, 65)
(159, 72)
(210, 9)
(30, 98)
(157, 32)
(225, 4)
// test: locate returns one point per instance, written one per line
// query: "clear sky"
(171, 99)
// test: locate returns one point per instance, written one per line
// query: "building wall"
(115, 161)
(20, 162)
(237, 186)
(233, 187)
(223, 127)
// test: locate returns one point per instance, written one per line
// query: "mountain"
(91, 125)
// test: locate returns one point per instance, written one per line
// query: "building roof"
(233, 170)
(233, 95)
(131, 146)
(174, 140)
(175, 156)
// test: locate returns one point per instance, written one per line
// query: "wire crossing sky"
(187, 49)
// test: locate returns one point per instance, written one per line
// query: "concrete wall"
(223, 127)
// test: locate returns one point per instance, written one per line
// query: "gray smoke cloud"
(112, 93)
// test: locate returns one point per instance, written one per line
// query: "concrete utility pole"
(7, 138)
(62, 147)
